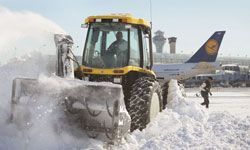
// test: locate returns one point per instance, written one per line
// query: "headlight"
(117, 80)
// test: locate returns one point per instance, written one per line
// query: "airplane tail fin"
(209, 50)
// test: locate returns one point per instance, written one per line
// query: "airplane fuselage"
(183, 71)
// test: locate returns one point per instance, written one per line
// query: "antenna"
(151, 19)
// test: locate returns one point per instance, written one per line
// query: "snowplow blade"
(97, 108)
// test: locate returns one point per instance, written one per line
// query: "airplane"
(202, 62)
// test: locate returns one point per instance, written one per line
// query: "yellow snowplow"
(113, 91)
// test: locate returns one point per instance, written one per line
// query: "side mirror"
(84, 25)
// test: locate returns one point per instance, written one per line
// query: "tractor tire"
(144, 103)
(165, 94)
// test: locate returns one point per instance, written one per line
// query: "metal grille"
(101, 78)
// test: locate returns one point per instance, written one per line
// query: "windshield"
(107, 45)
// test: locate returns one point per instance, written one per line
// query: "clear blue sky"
(192, 21)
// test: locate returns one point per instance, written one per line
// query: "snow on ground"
(235, 101)
(188, 125)
(185, 124)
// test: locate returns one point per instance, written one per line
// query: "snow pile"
(178, 126)
(187, 125)
(24, 32)
(184, 107)
(222, 131)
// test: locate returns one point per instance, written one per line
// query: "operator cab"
(114, 43)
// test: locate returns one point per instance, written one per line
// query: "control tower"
(172, 44)
(159, 40)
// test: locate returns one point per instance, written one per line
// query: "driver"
(119, 48)
(119, 44)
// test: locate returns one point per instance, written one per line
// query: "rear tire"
(144, 103)
(165, 94)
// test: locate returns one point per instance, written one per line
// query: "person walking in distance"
(205, 90)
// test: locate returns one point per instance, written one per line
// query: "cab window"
(134, 48)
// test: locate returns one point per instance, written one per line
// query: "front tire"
(144, 103)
